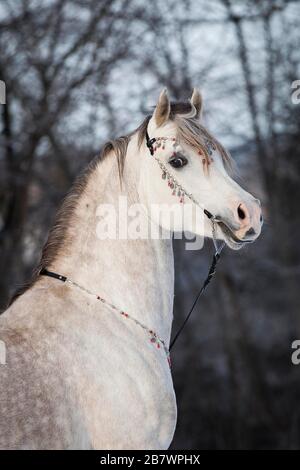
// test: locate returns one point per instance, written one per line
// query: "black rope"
(211, 273)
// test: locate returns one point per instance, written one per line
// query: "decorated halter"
(177, 189)
(153, 145)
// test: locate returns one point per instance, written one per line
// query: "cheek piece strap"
(218, 248)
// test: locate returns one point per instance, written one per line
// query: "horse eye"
(178, 161)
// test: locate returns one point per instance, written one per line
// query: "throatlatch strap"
(45, 272)
(150, 142)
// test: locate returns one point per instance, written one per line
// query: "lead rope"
(218, 248)
(209, 277)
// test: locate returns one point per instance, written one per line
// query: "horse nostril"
(241, 212)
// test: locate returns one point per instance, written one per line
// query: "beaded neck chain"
(154, 338)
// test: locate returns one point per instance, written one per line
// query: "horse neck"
(136, 276)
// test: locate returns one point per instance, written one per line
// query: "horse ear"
(196, 101)
(163, 108)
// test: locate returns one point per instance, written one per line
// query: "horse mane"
(190, 131)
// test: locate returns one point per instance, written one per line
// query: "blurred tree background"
(78, 72)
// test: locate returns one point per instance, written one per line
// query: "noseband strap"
(216, 256)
